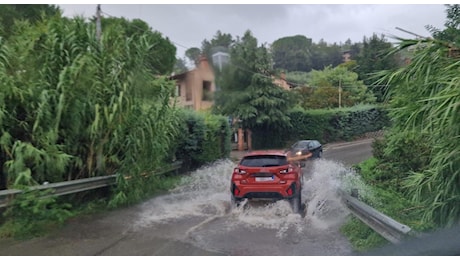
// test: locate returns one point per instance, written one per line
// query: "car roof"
(266, 152)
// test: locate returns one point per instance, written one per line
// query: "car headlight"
(298, 153)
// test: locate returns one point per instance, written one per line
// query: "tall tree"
(9, 13)
(220, 42)
(452, 24)
(160, 56)
(180, 66)
(327, 84)
(292, 53)
(249, 94)
(324, 54)
(374, 57)
(193, 54)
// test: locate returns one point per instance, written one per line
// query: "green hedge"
(324, 125)
(204, 138)
(338, 124)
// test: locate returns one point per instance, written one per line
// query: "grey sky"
(188, 25)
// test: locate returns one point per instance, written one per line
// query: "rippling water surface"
(201, 213)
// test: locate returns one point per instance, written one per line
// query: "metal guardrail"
(387, 227)
(75, 186)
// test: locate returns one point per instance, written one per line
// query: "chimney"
(202, 61)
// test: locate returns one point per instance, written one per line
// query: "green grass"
(388, 201)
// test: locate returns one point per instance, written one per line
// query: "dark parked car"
(305, 149)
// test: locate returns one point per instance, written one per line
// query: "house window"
(177, 91)
(188, 93)
(207, 94)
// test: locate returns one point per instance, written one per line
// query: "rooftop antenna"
(416, 35)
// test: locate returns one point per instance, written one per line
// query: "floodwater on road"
(198, 211)
(196, 218)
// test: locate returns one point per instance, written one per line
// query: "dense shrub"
(203, 138)
(335, 125)
(399, 156)
(323, 125)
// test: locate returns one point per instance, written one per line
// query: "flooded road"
(196, 218)
(199, 212)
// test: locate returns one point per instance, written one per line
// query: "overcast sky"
(188, 25)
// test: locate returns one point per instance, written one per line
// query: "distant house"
(282, 82)
(195, 88)
(346, 56)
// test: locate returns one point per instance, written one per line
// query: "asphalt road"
(197, 219)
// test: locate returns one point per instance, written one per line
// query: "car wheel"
(320, 154)
(296, 203)
(235, 203)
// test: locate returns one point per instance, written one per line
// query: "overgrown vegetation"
(415, 172)
(424, 100)
(28, 216)
(73, 106)
(336, 124)
(204, 138)
(386, 198)
(332, 88)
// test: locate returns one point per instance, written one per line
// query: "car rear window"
(264, 161)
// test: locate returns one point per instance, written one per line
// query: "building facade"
(195, 88)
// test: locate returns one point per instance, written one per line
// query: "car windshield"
(264, 161)
(300, 145)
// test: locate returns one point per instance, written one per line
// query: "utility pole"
(98, 22)
(340, 92)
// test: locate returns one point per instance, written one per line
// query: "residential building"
(195, 88)
(282, 82)
(346, 56)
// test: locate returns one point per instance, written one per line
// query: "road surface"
(196, 219)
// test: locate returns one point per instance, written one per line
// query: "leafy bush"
(325, 125)
(204, 138)
(398, 155)
(33, 213)
(337, 124)
(388, 199)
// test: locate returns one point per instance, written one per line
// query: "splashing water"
(205, 193)
(323, 204)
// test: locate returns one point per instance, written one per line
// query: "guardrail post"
(355, 193)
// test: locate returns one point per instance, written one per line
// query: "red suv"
(267, 175)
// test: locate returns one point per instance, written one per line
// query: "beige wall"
(191, 84)
(281, 82)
